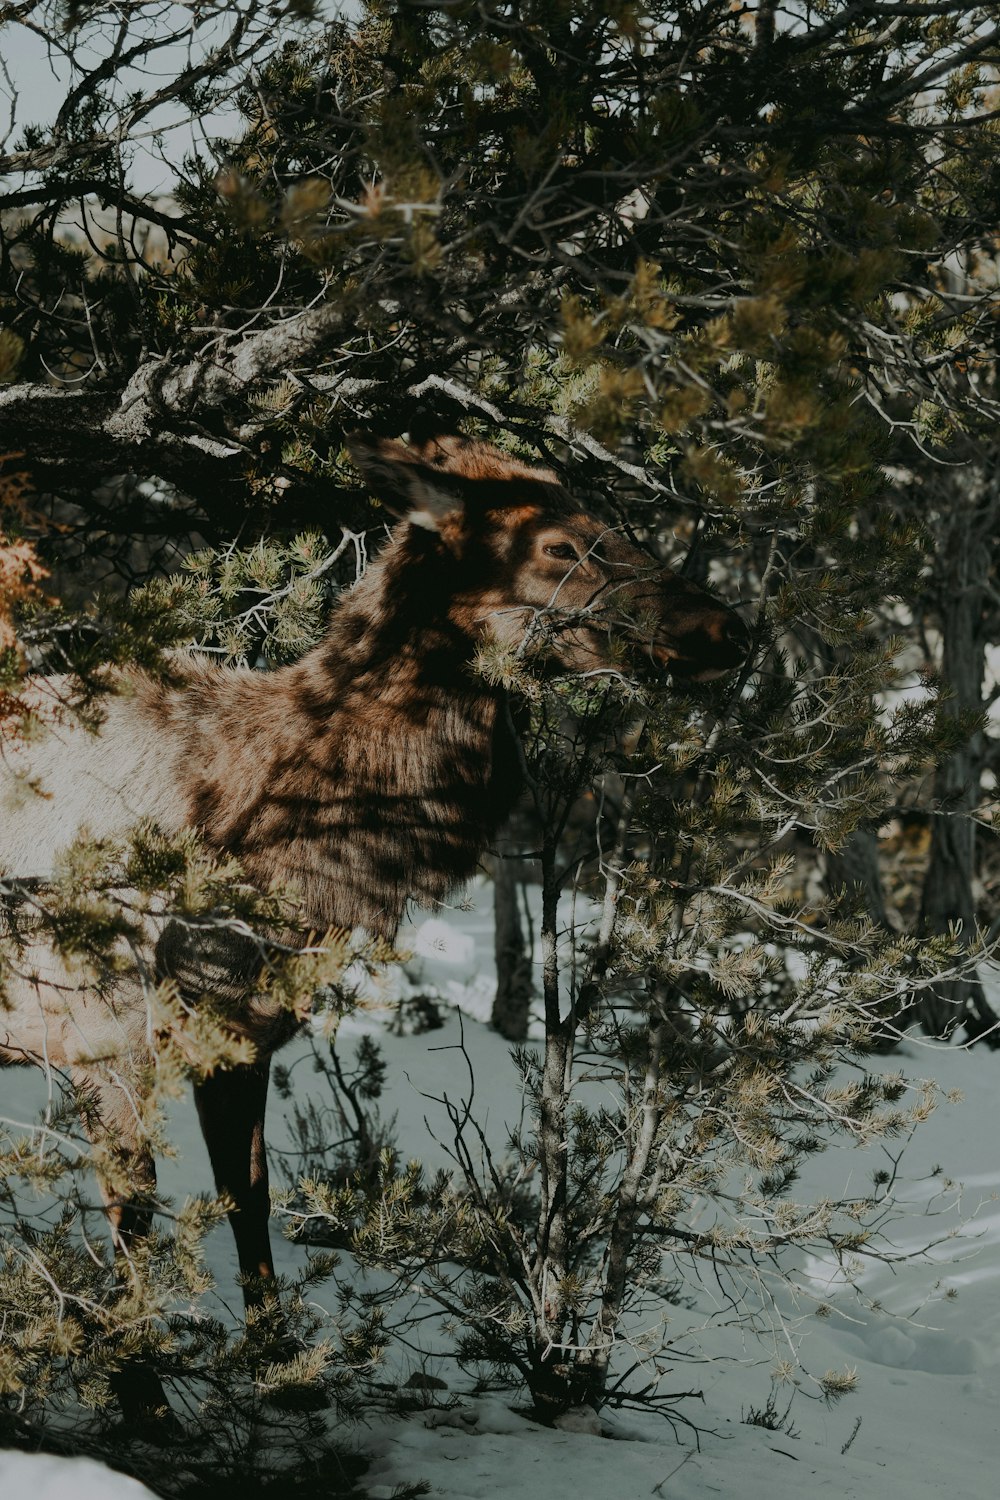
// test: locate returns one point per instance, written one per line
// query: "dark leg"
(231, 1109)
(111, 1118)
(128, 1204)
(131, 1214)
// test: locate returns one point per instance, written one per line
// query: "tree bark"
(551, 1385)
(855, 869)
(947, 900)
(512, 1003)
(71, 443)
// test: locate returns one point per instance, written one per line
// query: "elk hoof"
(144, 1407)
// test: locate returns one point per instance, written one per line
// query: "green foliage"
(726, 1017)
(252, 1415)
(78, 1323)
(268, 601)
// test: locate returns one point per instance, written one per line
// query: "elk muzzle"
(710, 648)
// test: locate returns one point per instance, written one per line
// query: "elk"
(374, 770)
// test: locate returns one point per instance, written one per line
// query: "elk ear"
(409, 486)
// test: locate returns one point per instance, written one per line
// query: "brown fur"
(378, 767)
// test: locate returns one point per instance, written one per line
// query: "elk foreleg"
(130, 1213)
(129, 1197)
(231, 1109)
(110, 1106)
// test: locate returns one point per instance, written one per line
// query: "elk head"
(528, 558)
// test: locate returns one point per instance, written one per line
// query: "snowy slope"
(41, 1476)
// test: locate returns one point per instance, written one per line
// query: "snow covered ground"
(924, 1420)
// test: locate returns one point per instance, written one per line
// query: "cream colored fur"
(73, 779)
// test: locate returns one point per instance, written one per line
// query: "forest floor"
(922, 1422)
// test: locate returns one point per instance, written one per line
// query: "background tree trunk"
(964, 561)
(854, 870)
(512, 1003)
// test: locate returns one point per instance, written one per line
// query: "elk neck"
(376, 768)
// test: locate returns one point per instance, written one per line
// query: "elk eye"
(565, 551)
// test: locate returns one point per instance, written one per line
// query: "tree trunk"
(551, 1379)
(852, 875)
(947, 901)
(854, 871)
(512, 1003)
